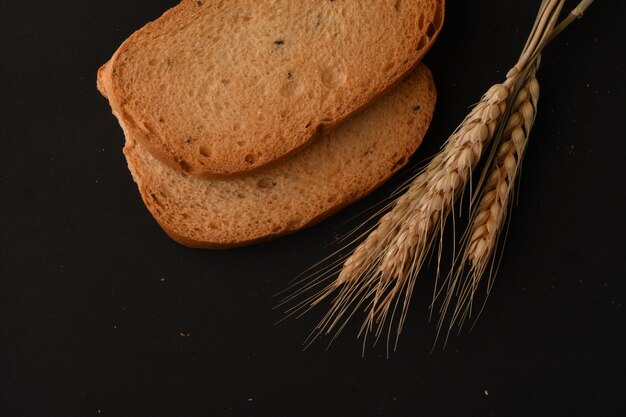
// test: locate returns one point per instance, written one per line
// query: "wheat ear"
(481, 240)
(383, 268)
(380, 273)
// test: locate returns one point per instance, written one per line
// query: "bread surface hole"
(250, 159)
(156, 199)
(184, 165)
(389, 66)
(438, 17)
(147, 127)
(266, 183)
(204, 151)
(422, 43)
(400, 162)
(430, 31)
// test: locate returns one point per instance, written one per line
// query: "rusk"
(337, 169)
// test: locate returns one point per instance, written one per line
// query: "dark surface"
(102, 314)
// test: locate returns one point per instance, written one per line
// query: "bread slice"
(213, 87)
(334, 171)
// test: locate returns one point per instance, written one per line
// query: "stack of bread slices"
(249, 119)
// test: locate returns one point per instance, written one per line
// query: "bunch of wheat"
(380, 274)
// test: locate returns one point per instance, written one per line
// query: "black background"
(94, 296)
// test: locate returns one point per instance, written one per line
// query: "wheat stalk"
(380, 274)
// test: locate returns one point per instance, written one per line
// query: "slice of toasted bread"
(213, 87)
(334, 171)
